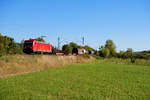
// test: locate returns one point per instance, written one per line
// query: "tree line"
(9, 46)
(69, 47)
(109, 50)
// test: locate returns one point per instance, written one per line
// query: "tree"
(120, 54)
(89, 48)
(104, 52)
(12, 46)
(112, 47)
(67, 48)
(73, 45)
(40, 39)
(129, 50)
(2, 49)
(108, 50)
(101, 49)
(128, 53)
(20, 47)
(7, 45)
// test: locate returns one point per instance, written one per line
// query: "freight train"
(36, 47)
(33, 46)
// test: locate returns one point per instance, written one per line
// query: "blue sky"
(126, 22)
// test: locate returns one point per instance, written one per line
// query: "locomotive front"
(28, 46)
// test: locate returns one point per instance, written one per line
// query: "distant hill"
(146, 51)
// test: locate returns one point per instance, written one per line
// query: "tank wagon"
(33, 46)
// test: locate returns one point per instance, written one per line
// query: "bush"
(133, 59)
(1, 55)
(142, 56)
(67, 48)
(104, 52)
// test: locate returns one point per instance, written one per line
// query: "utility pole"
(58, 43)
(83, 40)
(61, 41)
(43, 36)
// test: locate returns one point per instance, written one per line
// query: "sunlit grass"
(92, 81)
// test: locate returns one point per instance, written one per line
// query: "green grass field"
(98, 80)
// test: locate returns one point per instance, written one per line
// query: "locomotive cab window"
(28, 43)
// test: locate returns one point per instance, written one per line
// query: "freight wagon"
(79, 51)
(33, 46)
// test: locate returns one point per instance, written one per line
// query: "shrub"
(142, 56)
(1, 55)
(67, 48)
(133, 59)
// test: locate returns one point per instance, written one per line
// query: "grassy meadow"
(98, 80)
(19, 64)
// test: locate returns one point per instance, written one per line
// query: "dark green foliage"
(128, 53)
(133, 59)
(40, 39)
(111, 47)
(89, 48)
(8, 45)
(120, 54)
(67, 48)
(55, 50)
(20, 46)
(101, 51)
(73, 45)
(104, 52)
(109, 50)
(142, 55)
(1, 55)
(145, 51)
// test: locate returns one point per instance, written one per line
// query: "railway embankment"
(20, 64)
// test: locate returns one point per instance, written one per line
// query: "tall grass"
(127, 61)
(18, 64)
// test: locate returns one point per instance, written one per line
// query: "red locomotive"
(33, 46)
